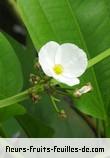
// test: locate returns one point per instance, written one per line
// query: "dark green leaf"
(34, 128)
(11, 80)
(70, 127)
(13, 110)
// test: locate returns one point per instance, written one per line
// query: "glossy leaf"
(26, 55)
(11, 80)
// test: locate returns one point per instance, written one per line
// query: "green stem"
(25, 95)
(14, 99)
(99, 58)
(54, 104)
(20, 97)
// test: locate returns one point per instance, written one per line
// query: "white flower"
(65, 62)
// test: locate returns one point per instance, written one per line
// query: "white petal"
(70, 81)
(73, 59)
(48, 52)
(47, 56)
(46, 69)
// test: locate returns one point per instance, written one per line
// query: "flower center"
(58, 69)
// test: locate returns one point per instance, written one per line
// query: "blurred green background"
(41, 119)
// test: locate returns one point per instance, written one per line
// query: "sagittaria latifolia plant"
(67, 57)
(64, 63)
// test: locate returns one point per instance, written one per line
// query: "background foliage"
(85, 23)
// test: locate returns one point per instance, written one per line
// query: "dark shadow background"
(9, 22)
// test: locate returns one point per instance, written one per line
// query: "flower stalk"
(21, 96)
(98, 58)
